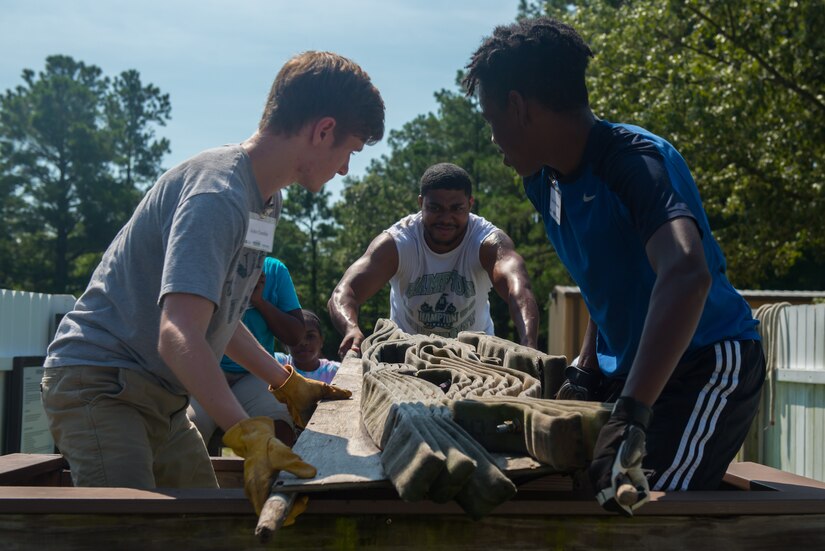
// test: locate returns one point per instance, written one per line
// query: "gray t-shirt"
(186, 236)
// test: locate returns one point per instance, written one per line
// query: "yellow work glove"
(298, 507)
(264, 455)
(301, 395)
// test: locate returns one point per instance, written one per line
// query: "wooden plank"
(818, 420)
(228, 471)
(42, 500)
(808, 314)
(684, 504)
(29, 469)
(819, 345)
(390, 532)
(779, 498)
(456, 533)
(783, 493)
(22, 468)
(336, 443)
(753, 476)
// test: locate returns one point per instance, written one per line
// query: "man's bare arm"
(365, 277)
(182, 345)
(245, 350)
(508, 274)
(288, 327)
(682, 284)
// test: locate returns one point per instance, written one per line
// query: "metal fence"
(27, 325)
(789, 432)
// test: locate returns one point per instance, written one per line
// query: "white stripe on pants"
(709, 405)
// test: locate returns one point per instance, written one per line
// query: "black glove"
(616, 470)
(579, 384)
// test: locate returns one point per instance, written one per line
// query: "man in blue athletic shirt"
(623, 213)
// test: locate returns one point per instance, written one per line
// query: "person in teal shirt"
(274, 313)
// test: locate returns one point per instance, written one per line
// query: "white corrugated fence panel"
(796, 442)
(27, 323)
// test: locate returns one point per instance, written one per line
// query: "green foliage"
(304, 243)
(312, 216)
(738, 86)
(75, 146)
(458, 134)
(131, 110)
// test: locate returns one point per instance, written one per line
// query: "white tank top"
(440, 293)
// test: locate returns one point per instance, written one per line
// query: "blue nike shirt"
(628, 184)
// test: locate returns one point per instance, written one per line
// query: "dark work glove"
(616, 469)
(579, 384)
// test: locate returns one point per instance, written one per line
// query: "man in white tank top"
(441, 263)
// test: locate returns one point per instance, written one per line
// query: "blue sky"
(217, 59)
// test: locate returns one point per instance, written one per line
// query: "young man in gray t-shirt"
(164, 304)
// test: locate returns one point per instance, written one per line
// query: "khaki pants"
(118, 428)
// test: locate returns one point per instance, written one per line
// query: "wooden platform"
(336, 442)
(352, 506)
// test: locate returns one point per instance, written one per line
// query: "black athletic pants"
(703, 415)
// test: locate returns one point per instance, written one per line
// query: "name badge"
(261, 233)
(555, 201)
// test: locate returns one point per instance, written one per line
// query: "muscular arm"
(676, 303)
(182, 345)
(508, 274)
(362, 280)
(288, 327)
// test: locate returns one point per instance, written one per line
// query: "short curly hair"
(446, 176)
(540, 57)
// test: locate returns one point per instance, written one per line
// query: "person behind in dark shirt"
(623, 213)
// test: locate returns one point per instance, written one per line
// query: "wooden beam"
(43, 500)
(24, 468)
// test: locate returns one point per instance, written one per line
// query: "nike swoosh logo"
(587, 198)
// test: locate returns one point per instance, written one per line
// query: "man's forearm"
(192, 361)
(246, 351)
(676, 304)
(508, 274)
(287, 328)
(525, 315)
(343, 312)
